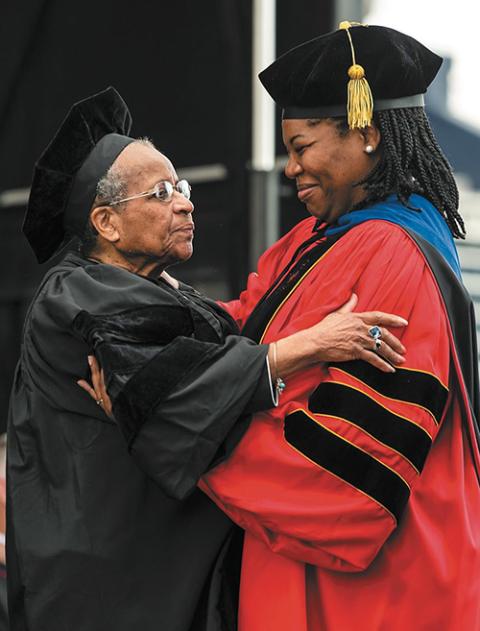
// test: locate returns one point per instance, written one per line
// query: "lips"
(188, 229)
(304, 191)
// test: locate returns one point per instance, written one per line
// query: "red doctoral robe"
(359, 493)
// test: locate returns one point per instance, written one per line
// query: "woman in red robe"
(359, 493)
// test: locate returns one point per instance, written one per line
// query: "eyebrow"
(165, 179)
(293, 138)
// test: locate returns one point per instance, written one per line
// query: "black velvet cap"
(311, 80)
(93, 134)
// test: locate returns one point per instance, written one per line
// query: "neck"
(140, 265)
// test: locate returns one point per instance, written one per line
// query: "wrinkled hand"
(97, 390)
(343, 336)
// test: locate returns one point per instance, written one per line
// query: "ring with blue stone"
(376, 333)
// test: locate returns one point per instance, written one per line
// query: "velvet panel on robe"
(106, 529)
(359, 494)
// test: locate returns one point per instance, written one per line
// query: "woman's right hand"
(343, 336)
(97, 389)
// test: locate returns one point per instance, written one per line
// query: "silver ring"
(378, 344)
(375, 332)
(99, 401)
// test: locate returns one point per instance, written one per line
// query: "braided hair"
(412, 162)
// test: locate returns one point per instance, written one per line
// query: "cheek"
(352, 162)
(146, 232)
(344, 169)
(158, 227)
(324, 162)
(340, 159)
(157, 221)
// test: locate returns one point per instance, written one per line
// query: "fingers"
(390, 348)
(96, 376)
(88, 388)
(390, 355)
(386, 345)
(107, 404)
(382, 319)
(376, 360)
(350, 305)
(102, 383)
(97, 390)
(393, 342)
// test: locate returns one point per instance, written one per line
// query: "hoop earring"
(369, 149)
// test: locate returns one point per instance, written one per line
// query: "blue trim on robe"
(427, 222)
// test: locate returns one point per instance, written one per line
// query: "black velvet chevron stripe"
(151, 324)
(407, 438)
(406, 385)
(258, 320)
(154, 381)
(347, 462)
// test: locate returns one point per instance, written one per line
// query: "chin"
(183, 255)
(188, 252)
(325, 214)
(319, 213)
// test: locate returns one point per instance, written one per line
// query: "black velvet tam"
(315, 73)
(65, 178)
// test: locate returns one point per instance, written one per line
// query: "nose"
(292, 168)
(181, 204)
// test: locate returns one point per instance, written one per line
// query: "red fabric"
(319, 553)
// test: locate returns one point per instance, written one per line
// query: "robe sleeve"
(326, 477)
(181, 403)
(183, 410)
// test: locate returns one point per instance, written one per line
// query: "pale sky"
(448, 27)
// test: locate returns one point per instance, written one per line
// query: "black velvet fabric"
(347, 462)
(339, 400)
(155, 380)
(412, 386)
(87, 122)
(123, 342)
(315, 72)
(158, 324)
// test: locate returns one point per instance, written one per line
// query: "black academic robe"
(3, 599)
(106, 529)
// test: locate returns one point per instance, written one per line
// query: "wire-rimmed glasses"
(163, 191)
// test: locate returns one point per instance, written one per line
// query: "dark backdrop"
(184, 68)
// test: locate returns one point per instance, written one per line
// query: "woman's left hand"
(97, 389)
(342, 336)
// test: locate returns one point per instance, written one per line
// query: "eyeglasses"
(163, 191)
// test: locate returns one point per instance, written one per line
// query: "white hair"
(111, 187)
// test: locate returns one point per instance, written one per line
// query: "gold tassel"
(360, 99)
(359, 94)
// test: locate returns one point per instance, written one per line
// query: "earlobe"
(104, 220)
(371, 138)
